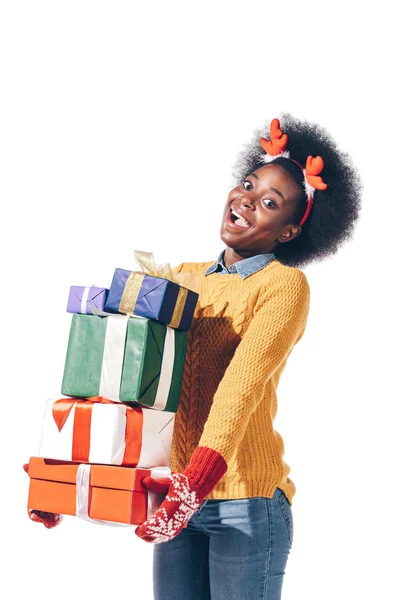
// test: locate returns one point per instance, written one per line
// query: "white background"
(120, 122)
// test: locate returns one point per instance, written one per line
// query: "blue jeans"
(230, 550)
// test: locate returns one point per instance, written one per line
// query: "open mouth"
(237, 219)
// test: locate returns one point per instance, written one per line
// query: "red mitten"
(48, 519)
(186, 491)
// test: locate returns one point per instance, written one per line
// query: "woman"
(225, 527)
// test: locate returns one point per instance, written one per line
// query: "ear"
(290, 233)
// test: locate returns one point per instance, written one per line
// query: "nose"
(248, 202)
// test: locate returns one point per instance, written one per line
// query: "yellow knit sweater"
(242, 333)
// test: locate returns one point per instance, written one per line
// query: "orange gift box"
(115, 493)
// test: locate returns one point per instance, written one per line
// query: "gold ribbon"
(149, 267)
(134, 283)
(131, 292)
(179, 306)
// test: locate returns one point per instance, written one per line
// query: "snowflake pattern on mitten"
(174, 513)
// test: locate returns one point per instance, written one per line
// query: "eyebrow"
(273, 189)
(278, 192)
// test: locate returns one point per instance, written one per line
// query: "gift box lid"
(106, 476)
(76, 291)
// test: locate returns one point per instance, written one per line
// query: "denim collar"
(244, 268)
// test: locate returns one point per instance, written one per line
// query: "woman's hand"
(48, 519)
(179, 505)
(185, 492)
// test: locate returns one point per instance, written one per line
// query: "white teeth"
(242, 219)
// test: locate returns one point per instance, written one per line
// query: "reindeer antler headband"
(276, 147)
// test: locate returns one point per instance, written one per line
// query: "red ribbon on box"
(82, 421)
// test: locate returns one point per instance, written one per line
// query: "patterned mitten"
(48, 519)
(185, 492)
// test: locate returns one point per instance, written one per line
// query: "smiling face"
(267, 202)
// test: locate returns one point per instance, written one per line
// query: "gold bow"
(149, 267)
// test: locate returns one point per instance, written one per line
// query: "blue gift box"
(151, 297)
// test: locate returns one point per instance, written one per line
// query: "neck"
(231, 256)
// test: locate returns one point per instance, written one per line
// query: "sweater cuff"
(205, 469)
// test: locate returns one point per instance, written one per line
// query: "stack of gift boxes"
(121, 386)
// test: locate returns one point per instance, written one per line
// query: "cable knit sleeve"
(277, 325)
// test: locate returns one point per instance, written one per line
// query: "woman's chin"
(230, 237)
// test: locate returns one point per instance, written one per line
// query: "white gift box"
(106, 433)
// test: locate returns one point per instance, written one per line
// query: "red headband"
(276, 147)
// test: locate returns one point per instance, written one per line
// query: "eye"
(247, 185)
(272, 203)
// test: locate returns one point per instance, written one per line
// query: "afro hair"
(334, 210)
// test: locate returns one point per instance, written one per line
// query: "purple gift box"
(81, 298)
